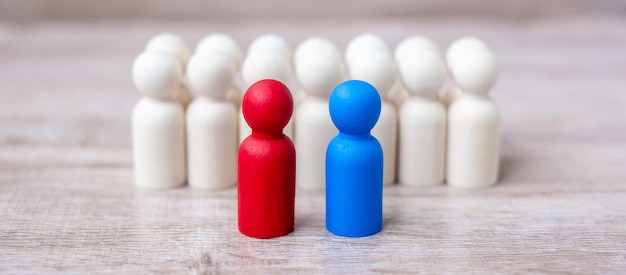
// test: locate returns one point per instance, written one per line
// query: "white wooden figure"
(172, 44)
(270, 43)
(422, 131)
(227, 45)
(318, 74)
(223, 43)
(463, 45)
(270, 65)
(411, 44)
(277, 44)
(158, 122)
(175, 45)
(379, 69)
(364, 43)
(473, 123)
(315, 44)
(458, 48)
(211, 122)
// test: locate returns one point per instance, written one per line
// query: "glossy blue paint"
(354, 162)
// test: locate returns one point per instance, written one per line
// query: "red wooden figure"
(267, 163)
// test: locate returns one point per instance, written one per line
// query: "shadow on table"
(508, 166)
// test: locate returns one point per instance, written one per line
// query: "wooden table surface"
(67, 200)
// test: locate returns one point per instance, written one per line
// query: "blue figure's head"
(354, 107)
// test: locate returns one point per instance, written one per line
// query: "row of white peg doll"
(427, 137)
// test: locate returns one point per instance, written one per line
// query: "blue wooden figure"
(354, 162)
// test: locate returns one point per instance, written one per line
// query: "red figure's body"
(267, 163)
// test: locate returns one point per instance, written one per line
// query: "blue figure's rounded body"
(354, 162)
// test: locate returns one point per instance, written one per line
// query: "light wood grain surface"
(68, 204)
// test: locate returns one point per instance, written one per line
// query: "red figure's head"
(267, 106)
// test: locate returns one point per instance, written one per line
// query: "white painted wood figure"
(211, 122)
(422, 137)
(174, 45)
(274, 43)
(158, 123)
(223, 43)
(473, 122)
(315, 44)
(378, 68)
(227, 45)
(364, 43)
(270, 43)
(459, 48)
(411, 44)
(269, 61)
(318, 73)
(414, 43)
